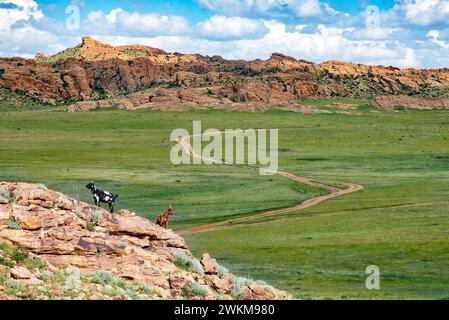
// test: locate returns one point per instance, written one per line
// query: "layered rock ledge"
(94, 254)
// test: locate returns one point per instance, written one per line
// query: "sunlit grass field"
(399, 222)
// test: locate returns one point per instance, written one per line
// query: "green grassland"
(399, 222)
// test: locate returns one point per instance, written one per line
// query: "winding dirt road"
(333, 192)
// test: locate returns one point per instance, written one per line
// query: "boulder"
(210, 265)
(21, 273)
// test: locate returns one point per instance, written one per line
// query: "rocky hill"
(56, 247)
(146, 77)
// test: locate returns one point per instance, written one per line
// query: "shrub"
(73, 278)
(237, 293)
(194, 289)
(2, 71)
(222, 270)
(3, 277)
(133, 294)
(241, 281)
(5, 262)
(42, 186)
(13, 253)
(237, 288)
(143, 288)
(12, 287)
(119, 282)
(16, 254)
(102, 277)
(122, 245)
(7, 195)
(78, 212)
(95, 218)
(106, 278)
(181, 260)
(94, 221)
(35, 263)
(110, 292)
(58, 276)
(12, 224)
(197, 267)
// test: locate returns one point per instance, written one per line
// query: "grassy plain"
(399, 222)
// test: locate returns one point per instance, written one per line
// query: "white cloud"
(268, 8)
(426, 12)
(18, 10)
(421, 13)
(434, 36)
(26, 41)
(18, 36)
(376, 33)
(308, 8)
(133, 23)
(226, 28)
(24, 31)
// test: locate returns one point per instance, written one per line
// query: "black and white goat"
(100, 196)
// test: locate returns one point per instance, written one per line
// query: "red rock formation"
(93, 70)
(67, 233)
(391, 102)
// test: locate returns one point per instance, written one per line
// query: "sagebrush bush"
(237, 287)
(12, 287)
(237, 293)
(6, 194)
(107, 278)
(95, 219)
(242, 281)
(222, 270)
(3, 277)
(181, 260)
(197, 267)
(13, 224)
(42, 186)
(194, 289)
(13, 253)
(73, 278)
(102, 277)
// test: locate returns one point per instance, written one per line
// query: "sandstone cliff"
(53, 246)
(96, 71)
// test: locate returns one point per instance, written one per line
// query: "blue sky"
(404, 33)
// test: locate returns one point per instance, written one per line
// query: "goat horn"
(169, 205)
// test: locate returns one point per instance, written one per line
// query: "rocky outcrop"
(95, 71)
(105, 251)
(391, 102)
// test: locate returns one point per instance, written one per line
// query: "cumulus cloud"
(12, 11)
(26, 41)
(18, 36)
(221, 27)
(377, 34)
(256, 32)
(426, 12)
(417, 13)
(268, 8)
(133, 23)
(434, 36)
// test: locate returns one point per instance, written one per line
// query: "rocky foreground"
(94, 75)
(56, 247)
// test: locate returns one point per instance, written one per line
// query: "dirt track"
(333, 192)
